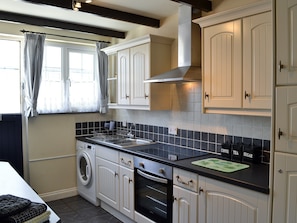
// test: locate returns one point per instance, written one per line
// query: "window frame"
(66, 49)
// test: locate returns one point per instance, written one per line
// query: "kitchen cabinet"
(185, 203)
(285, 184)
(138, 60)
(286, 42)
(237, 60)
(221, 202)
(126, 185)
(286, 119)
(115, 180)
(107, 179)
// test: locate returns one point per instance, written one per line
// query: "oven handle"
(153, 178)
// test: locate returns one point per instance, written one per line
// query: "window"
(69, 79)
(10, 90)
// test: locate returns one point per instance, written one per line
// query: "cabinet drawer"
(126, 160)
(107, 153)
(185, 179)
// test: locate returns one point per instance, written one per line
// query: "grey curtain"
(33, 57)
(103, 74)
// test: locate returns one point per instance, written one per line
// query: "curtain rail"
(48, 34)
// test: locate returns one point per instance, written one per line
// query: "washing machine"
(86, 171)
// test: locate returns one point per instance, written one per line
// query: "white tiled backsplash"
(186, 114)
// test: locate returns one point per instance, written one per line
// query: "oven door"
(153, 196)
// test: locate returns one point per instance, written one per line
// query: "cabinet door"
(286, 42)
(108, 182)
(223, 65)
(286, 119)
(127, 192)
(184, 205)
(225, 203)
(140, 71)
(285, 192)
(124, 77)
(257, 61)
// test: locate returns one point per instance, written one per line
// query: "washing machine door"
(84, 168)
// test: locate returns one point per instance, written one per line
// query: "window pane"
(83, 94)
(51, 98)
(10, 94)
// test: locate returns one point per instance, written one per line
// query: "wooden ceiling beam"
(203, 5)
(38, 21)
(104, 12)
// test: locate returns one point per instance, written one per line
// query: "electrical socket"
(172, 130)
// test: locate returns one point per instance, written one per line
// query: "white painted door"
(140, 64)
(286, 42)
(257, 61)
(108, 182)
(124, 77)
(285, 189)
(286, 119)
(127, 192)
(185, 205)
(222, 76)
(225, 203)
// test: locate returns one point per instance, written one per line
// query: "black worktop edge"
(249, 181)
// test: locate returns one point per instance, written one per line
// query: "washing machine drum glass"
(84, 169)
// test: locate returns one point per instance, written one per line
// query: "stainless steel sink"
(119, 141)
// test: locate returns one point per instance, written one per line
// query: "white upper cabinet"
(237, 60)
(257, 61)
(286, 42)
(138, 60)
(222, 65)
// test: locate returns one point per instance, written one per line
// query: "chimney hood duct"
(189, 48)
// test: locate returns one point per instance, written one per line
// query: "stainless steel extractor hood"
(189, 51)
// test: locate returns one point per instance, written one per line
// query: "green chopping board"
(220, 165)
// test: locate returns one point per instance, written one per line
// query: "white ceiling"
(157, 9)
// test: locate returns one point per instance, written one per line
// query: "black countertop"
(256, 177)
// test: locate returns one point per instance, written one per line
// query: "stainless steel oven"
(153, 190)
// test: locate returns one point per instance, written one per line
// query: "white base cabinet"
(225, 203)
(115, 180)
(185, 203)
(285, 188)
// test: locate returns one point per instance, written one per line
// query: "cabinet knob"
(127, 96)
(141, 165)
(280, 133)
(280, 171)
(200, 190)
(162, 171)
(146, 96)
(246, 95)
(280, 66)
(206, 95)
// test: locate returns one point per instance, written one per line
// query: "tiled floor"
(78, 210)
